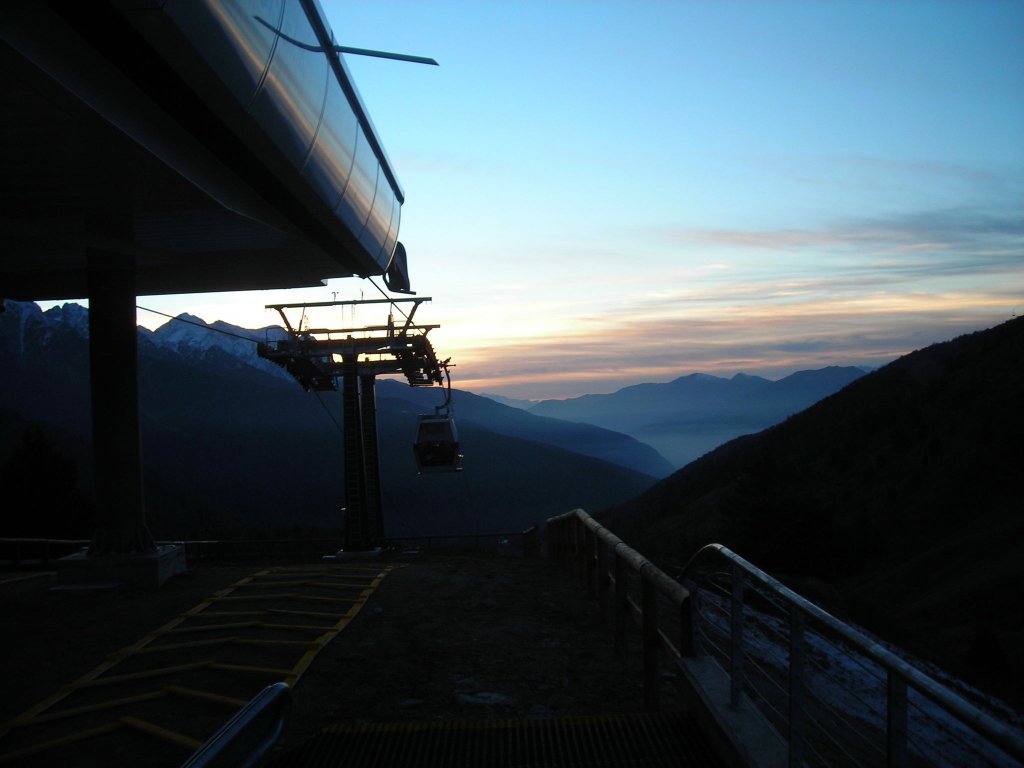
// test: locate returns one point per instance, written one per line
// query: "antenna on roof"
(347, 49)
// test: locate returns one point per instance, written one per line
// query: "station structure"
(178, 148)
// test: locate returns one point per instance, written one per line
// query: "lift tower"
(319, 357)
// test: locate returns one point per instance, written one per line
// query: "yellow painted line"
(328, 568)
(192, 693)
(252, 625)
(27, 577)
(111, 704)
(304, 614)
(143, 675)
(213, 627)
(306, 583)
(307, 659)
(289, 596)
(244, 668)
(161, 733)
(215, 641)
(35, 749)
(94, 678)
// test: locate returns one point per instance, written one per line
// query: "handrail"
(605, 557)
(596, 552)
(670, 587)
(246, 738)
(998, 733)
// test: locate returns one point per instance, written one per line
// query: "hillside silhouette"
(231, 447)
(895, 502)
(685, 418)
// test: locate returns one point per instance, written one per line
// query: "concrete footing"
(742, 736)
(148, 571)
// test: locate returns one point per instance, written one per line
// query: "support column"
(371, 461)
(113, 358)
(356, 533)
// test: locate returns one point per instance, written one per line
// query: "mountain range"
(230, 443)
(214, 415)
(685, 418)
(895, 502)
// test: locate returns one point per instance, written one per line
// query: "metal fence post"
(589, 555)
(602, 579)
(579, 548)
(896, 722)
(689, 622)
(620, 608)
(797, 656)
(649, 606)
(736, 633)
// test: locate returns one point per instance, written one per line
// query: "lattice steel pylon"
(319, 357)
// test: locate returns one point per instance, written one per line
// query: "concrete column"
(356, 533)
(371, 461)
(113, 358)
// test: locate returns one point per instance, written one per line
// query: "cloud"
(859, 291)
(967, 228)
(746, 340)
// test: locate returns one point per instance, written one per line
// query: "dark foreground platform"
(633, 739)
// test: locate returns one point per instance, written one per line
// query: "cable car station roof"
(219, 145)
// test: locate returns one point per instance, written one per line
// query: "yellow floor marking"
(27, 577)
(250, 625)
(143, 675)
(113, 703)
(192, 693)
(214, 642)
(162, 733)
(278, 584)
(246, 668)
(54, 743)
(95, 677)
(305, 614)
(289, 596)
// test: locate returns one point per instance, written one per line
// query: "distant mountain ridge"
(231, 445)
(896, 501)
(691, 415)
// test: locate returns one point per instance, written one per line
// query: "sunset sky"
(604, 193)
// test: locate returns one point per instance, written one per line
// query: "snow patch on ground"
(847, 692)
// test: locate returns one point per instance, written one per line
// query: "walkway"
(496, 644)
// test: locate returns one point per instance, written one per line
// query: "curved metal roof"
(192, 135)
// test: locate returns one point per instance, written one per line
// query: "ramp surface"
(637, 739)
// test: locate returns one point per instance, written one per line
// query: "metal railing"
(36, 552)
(249, 735)
(626, 583)
(520, 543)
(835, 695)
(41, 552)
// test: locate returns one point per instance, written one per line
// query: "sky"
(605, 193)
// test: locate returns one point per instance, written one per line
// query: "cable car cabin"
(437, 445)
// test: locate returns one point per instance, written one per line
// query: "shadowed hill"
(685, 418)
(586, 439)
(230, 447)
(897, 501)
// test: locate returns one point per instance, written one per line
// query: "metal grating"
(650, 740)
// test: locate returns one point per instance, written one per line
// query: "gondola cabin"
(437, 444)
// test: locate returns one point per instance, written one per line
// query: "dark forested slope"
(231, 447)
(900, 497)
